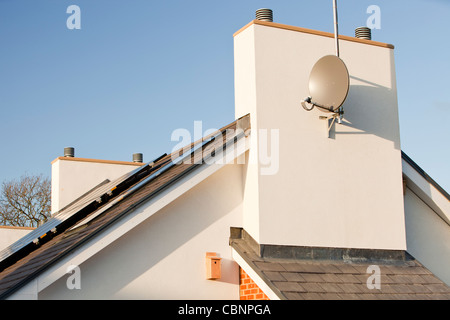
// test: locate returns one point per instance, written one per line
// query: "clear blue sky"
(137, 70)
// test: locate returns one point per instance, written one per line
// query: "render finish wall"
(427, 235)
(9, 235)
(342, 191)
(164, 257)
(73, 177)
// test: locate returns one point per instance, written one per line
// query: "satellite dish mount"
(335, 115)
(328, 84)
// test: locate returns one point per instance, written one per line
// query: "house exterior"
(268, 207)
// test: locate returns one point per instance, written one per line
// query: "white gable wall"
(164, 256)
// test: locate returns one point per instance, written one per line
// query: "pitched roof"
(308, 273)
(95, 211)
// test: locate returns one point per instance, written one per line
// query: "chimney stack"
(345, 191)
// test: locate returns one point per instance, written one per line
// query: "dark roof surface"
(33, 258)
(338, 276)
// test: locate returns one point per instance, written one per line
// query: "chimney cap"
(363, 33)
(69, 152)
(138, 157)
(264, 14)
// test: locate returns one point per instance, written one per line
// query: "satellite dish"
(328, 84)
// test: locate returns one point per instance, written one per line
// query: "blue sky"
(137, 70)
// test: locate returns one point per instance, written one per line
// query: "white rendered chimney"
(343, 191)
(72, 177)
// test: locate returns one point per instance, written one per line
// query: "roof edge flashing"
(98, 161)
(315, 32)
(349, 255)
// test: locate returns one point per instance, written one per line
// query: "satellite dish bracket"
(338, 114)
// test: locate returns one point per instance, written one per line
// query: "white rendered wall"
(427, 219)
(164, 256)
(9, 235)
(245, 102)
(428, 236)
(73, 177)
(342, 191)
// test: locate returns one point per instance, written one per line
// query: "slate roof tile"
(312, 277)
(269, 266)
(350, 288)
(292, 276)
(304, 268)
(349, 278)
(347, 268)
(289, 286)
(313, 287)
(331, 277)
(274, 276)
(331, 287)
(294, 296)
(437, 287)
(310, 296)
(330, 296)
(427, 278)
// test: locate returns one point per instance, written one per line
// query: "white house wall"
(245, 103)
(164, 256)
(427, 236)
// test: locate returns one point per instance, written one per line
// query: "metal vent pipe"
(264, 14)
(138, 157)
(69, 152)
(363, 33)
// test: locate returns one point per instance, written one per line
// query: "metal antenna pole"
(336, 27)
(336, 38)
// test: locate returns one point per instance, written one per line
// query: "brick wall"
(248, 290)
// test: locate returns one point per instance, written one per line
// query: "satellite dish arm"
(315, 104)
(304, 104)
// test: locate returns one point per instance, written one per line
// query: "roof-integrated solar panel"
(82, 206)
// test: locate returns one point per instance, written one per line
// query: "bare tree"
(25, 201)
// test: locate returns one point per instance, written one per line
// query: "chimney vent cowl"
(363, 33)
(69, 152)
(264, 14)
(138, 157)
